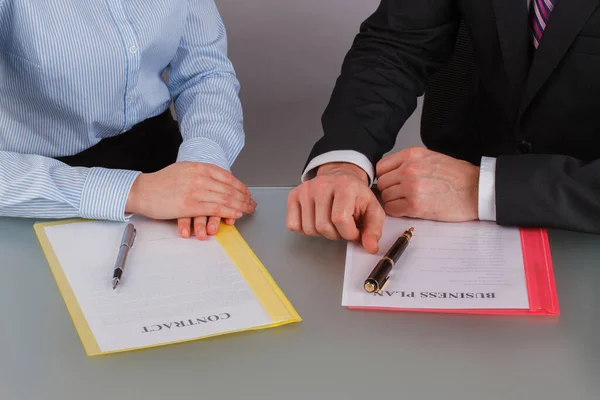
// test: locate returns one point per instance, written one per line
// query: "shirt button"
(132, 49)
(525, 147)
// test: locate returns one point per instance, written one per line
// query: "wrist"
(343, 168)
(135, 197)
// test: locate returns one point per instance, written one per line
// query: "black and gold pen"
(381, 273)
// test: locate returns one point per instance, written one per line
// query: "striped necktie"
(539, 14)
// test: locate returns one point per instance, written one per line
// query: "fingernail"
(185, 232)
(238, 214)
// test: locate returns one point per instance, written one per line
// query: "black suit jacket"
(537, 111)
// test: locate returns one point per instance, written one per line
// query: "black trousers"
(148, 147)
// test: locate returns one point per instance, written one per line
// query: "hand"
(421, 183)
(188, 190)
(337, 203)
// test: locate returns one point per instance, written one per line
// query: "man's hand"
(337, 203)
(187, 190)
(420, 183)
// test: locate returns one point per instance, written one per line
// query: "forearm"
(203, 84)
(549, 191)
(210, 119)
(384, 72)
(41, 187)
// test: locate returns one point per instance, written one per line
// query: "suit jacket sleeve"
(549, 191)
(398, 47)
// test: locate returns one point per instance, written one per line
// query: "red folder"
(541, 287)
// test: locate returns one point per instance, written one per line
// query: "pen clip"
(133, 238)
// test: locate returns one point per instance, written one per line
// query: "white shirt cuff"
(487, 189)
(349, 156)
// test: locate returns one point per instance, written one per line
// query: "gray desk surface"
(333, 354)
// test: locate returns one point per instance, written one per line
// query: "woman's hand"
(190, 190)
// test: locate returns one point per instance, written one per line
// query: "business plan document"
(446, 266)
(173, 289)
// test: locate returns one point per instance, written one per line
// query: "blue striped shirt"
(73, 72)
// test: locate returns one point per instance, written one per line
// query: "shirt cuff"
(203, 150)
(349, 156)
(487, 189)
(105, 194)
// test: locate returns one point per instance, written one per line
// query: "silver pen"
(126, 245)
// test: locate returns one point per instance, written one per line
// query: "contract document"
(477, 267)
(173, 289)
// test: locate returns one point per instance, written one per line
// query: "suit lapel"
(515, 39)
(565, 22)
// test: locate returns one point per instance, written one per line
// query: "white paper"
(471, 265)
(172, 289)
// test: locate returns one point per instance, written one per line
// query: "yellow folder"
(256, 275)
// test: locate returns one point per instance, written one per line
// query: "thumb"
(372, 226)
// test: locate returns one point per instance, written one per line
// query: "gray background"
(287, 55)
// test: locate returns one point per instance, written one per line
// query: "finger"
(213, 225)
(372, 223)
(395, 160)
(307, 207)
(293, 217)
(229, 221)
(200, 227)
(213, 209)
(227, 190)
(221, 175)
(323, 216)
(394, 192)
(218, 198)
(342, 215)
(399, 208)
(389, 163)
(184, 227)
(391, 178)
